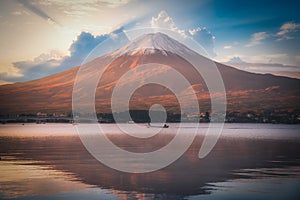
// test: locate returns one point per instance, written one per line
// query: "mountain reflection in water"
(35, 166)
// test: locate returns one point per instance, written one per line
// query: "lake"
(249, 161)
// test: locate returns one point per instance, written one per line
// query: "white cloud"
(52, 55)
(55, 61)
(10, 72)
(43, 65)
(205, 38)
(163, 20)
(285, 29)
(257, 39)
(264, 58)
(194, 31)
(201, 35)
(236, 59)
(227, 47)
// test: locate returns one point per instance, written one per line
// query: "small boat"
(164, 126)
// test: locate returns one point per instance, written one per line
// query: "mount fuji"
(245, 91)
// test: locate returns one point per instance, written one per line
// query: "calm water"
(250, 161)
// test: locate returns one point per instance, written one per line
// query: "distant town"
(142, 116)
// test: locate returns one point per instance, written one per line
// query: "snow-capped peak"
(151, 42)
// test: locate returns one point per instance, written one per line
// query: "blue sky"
(39, 38)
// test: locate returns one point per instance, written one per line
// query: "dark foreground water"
(250, 161)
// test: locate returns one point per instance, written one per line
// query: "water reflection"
(60, 164)
(26, 178)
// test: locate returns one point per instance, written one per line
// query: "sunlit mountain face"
(245, 91)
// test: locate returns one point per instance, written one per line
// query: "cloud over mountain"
(205, 38)
(201, 35)
(54, 61)
(163, 20)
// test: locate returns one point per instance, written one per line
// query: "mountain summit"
(150, 43)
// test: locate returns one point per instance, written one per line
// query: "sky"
(39, 38)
